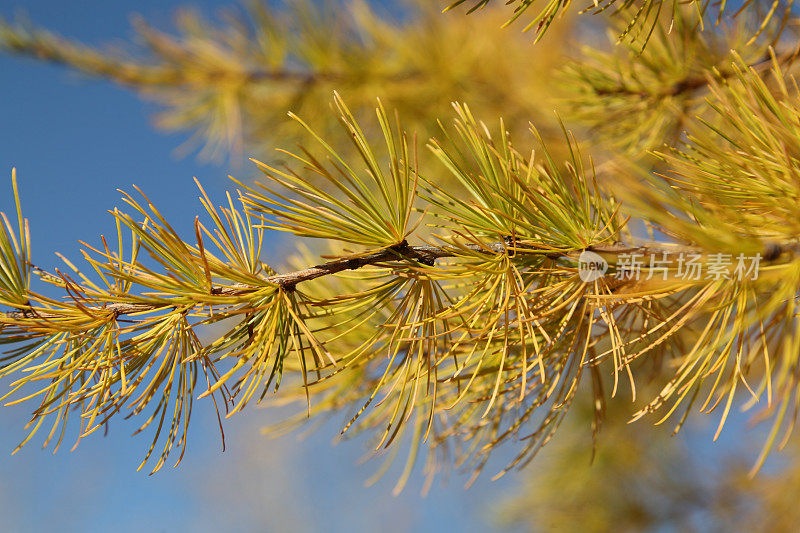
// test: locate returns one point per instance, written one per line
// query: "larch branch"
(425, 254)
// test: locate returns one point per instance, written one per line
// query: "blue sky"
(74, 142)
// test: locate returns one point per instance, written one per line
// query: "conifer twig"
(425, 254)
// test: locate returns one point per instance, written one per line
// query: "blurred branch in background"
(231, 82)
(634, 101)
(644, 478)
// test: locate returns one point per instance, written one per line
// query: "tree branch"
(426, 254)
(59, 51)
(691, 84)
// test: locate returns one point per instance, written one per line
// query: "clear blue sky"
(74, 142)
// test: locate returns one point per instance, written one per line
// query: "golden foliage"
(462, 320)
